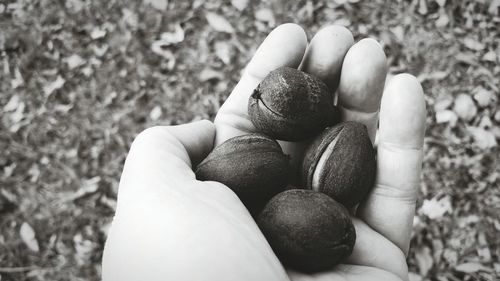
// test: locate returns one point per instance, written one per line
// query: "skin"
(169, 226)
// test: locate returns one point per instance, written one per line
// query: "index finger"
(284, 46)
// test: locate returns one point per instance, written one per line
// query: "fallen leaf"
(443, 19)
(490, 56)
(422, 7)
(471, 267)
(13, 103)
(157, 4)
(483, 96)
(435, 208)
(54, 85)
(28, 236)
(446, 116)
(97, 33)
(485, 122)
(494, 7)
(497, 116)
(399, 32)
(464, 107)
(266, 15)
(482, 138)
(219, 23)
(239, 4)
(441, 3)
(74, 61)
(155, 113)
(424, 260)
(18, 79)
(209, 74)
(6, 204)
(223, 51)
(171, 38)
(473, 44)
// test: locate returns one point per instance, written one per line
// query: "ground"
(79, 79)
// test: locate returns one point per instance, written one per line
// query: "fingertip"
(197, 138)
(284, 46)
(325, 54)
(403, 111)
(363, 76)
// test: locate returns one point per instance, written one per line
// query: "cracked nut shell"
(253, 166)
(341, 163)
(291, 105)
(308, 230)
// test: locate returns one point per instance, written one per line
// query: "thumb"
(166, 154)
(197, 139)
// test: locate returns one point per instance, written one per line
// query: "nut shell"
(307, 230)
(253, 166)
(341, 163)
(291, 105)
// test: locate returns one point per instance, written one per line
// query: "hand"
(169, 226)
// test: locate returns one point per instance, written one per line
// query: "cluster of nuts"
(309, 228)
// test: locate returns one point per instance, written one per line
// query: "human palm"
(170, 226)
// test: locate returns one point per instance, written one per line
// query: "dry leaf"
(471, 267)
(464, 107)
(209, 74)
(239, 4)
(157, 4)
(422, 7)
(219, 23)
(446, 116)
(473, 44)
(482, 138)
(490, 56)
(97, 33)
(424, 260)
(52, 86)
(28, 236)
(435, 208)
(74, 61)
(13, 103)
(266, 15)
(155, 113)
(223, 51)
(494, 7)
(18, 79)
(443, 19)
(483, 96)
(171, 38)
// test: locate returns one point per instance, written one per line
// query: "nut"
(291, 105)
(341, 163)
(307, 230)
(253, 166)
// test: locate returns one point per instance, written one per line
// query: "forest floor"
(80, 79)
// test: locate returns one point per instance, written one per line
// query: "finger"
(361, 84)
(284, 46)
(197, 139)
(325, 54)
(390, 207)
(167, 151)
(373, 249)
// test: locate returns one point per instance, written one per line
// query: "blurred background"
(80, 78)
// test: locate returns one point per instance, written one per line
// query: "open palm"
(169, 226)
